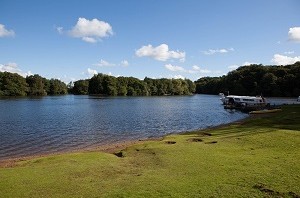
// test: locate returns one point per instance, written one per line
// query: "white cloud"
(284, 60)
(90, 31)
(232, 67)
(89, 39)
(124, 63)
(104, 63)
(29, 73)
(60, 30)
(294, 34)
(90, 72)
(10, 67)
(289, 52)
(204, 71)
(178, 77)
(174, 68)
(14, 68)
(195, 69)
(249, 63)
(214, 51)
(160, 53)
(67, 79)
(6, 33)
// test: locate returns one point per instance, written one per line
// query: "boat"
(247, 103)
(222, 98)
(265, 111)
(298, 100)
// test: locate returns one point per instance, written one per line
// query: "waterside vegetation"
(279, 81)
(102, 84)
(257, 157)
(13, 84)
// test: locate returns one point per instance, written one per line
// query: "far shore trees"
(12, 84)
(280, 81)
(101, 84)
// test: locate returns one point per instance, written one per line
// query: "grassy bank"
(259, 157)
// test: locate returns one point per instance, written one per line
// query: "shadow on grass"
(272, 193)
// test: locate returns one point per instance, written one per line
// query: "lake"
(31, 126)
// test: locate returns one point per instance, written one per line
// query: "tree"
(191, 86)
(96, 84)
(13, 84)
(268, 85)
(136, 87)
(178, 88)
(255, 80)
(109, 85)
(288, 85)
(121, 86)
(57, 87)
(36, 85)
(81, 87)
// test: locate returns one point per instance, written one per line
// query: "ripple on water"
(60, 123)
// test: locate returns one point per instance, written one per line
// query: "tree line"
(12, 84)
(255, 79)
(101, 84)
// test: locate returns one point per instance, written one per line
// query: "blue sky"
(72, 40)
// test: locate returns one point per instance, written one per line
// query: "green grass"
(259, 157)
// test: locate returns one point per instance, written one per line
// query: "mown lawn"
(259, 157)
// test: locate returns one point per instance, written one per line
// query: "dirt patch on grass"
(9, 163)
(211, 142)
(170, 142)
(119, 154)
(195, 140)
(272, 193)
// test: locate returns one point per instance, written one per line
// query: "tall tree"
(81, 87)
(13, 84)
(57, 87)
(96, 84)
(36, 85)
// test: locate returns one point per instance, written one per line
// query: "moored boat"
(247, 103)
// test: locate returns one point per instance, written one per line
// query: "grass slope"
(259, 157)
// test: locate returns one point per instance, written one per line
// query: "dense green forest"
(12, 84)
(102, 84)
(281, 81)
(246, 80)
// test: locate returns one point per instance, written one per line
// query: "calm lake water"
(30, 126)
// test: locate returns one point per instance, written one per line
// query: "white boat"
(298, 100)
(245, 102)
